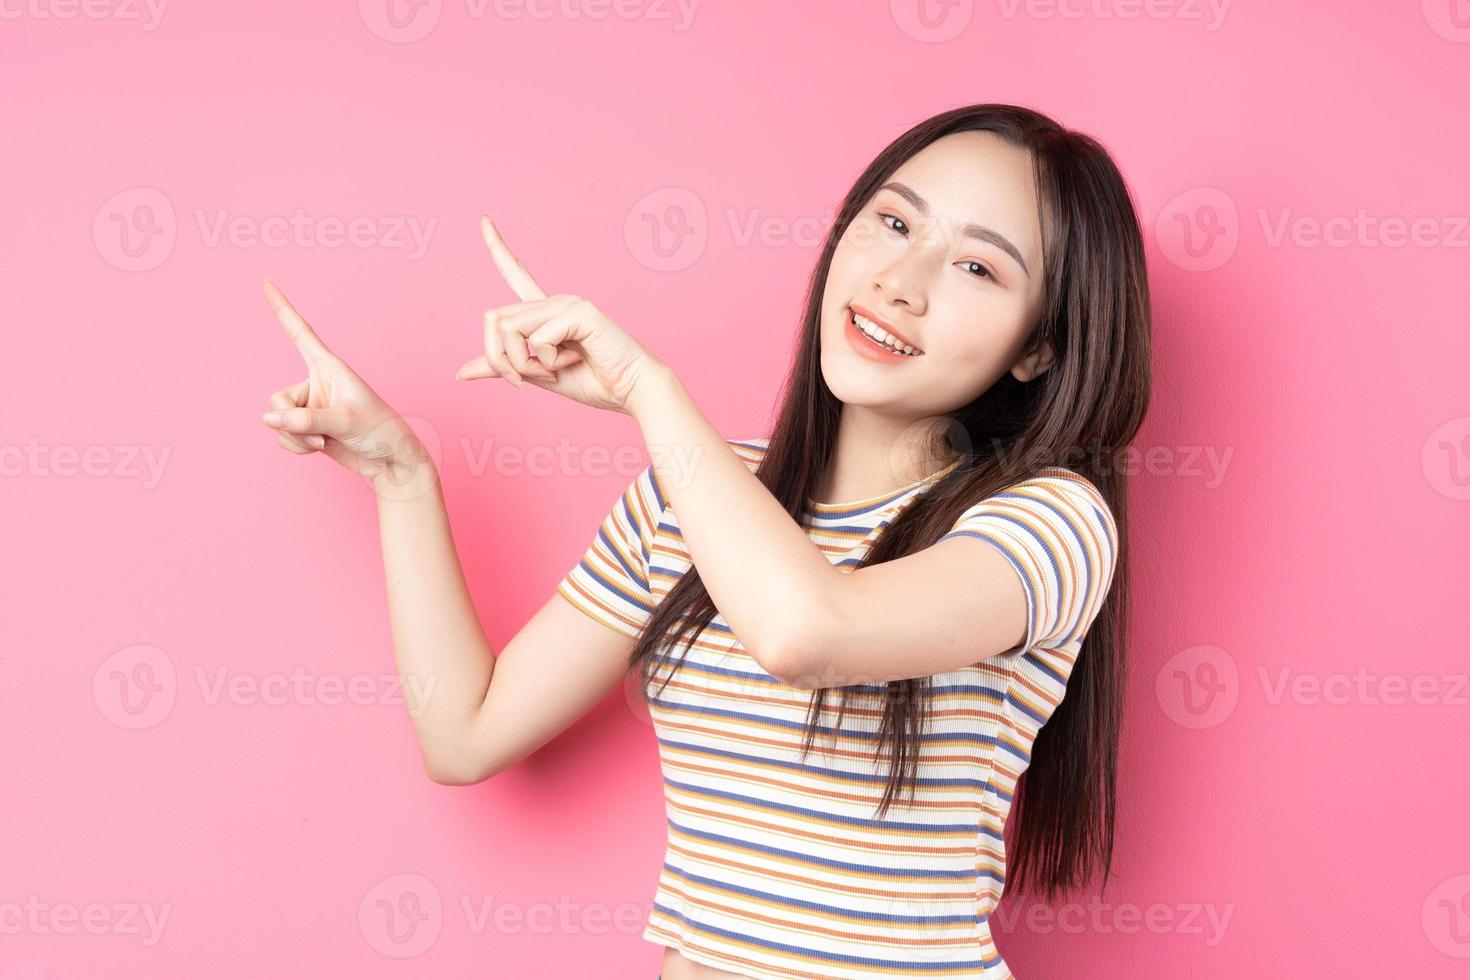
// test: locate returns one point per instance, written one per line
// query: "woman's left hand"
(562, 343)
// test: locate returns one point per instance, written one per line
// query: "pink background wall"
(197, 721)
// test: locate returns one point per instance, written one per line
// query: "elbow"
(793, 676)
(456, 769)
(799, 655)
(797, 662)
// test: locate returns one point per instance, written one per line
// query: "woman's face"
(947, 256)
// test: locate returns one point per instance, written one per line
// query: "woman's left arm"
(801, 618)
(766, 576)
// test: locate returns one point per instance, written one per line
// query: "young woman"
(851, 632)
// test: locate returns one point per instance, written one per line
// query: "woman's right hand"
(334, 412)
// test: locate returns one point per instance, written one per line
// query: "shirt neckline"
(819, 508)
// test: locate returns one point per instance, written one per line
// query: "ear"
(1034, 364)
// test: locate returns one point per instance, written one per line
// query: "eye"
(981, 271)
(883, 216)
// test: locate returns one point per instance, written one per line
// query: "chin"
(846, 378)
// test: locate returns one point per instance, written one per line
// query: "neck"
(879, 453)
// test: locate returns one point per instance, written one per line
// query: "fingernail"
(317, 441)
(274, 418)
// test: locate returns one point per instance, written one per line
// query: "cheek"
(859, 253)
(977, 349)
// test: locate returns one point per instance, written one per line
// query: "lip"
(868, 314)
(866, 347)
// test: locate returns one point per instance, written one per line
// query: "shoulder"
(1056, 510)
(1058, 532)
(643, 502)
(1055, 489)
(751, 449)
(647, 493)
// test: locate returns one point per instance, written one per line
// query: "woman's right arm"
(477, 712)
(474, 712)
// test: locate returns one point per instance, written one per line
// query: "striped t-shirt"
(775, 867)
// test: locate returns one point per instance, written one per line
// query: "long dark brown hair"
(1080, 413)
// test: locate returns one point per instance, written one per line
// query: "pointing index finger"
(512, 270)
(297, 329)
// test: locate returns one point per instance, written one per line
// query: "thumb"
(556, 358)
(321, 421)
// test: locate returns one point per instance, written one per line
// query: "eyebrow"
(969, 229)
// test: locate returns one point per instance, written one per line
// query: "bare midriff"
(677, 966)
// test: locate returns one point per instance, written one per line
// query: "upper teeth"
(883, 336)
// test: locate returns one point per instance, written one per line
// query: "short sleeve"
(611, 582)
(1059, 535)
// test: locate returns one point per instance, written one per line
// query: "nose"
(901, 282)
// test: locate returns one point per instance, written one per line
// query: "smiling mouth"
(880, 337)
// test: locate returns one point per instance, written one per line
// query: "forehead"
(979, 177)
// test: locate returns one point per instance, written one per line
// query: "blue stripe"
(948, 966)
(800, 903)
(990, 692)
(616, 588)
(1044, 667)
(846, 732)
(1027, 710)
(865, 777)
(965, 874)
(636, 575)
